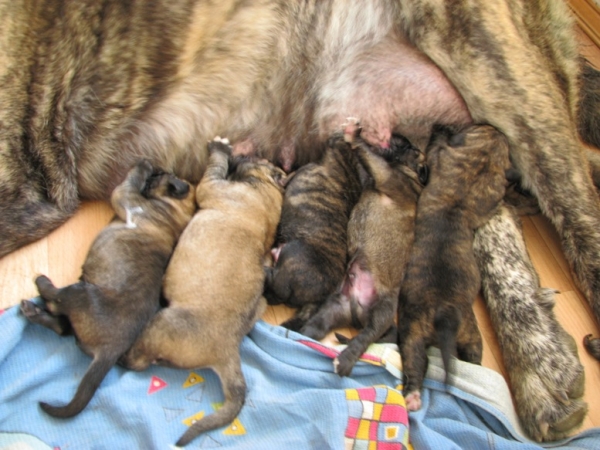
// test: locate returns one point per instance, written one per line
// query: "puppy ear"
(457, 140)
(178, 188)
(281, 178)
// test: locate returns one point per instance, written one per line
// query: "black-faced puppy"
(215, 279)
(120, 285)
(312, 254)
(380, 236)
(467, 182)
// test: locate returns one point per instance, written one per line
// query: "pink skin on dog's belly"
(391, 88)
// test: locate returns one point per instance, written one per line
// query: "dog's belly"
(391, 87)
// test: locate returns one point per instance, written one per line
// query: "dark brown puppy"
(311, 258)
(466, 185)
(380, 236)
(215, 279)
(121, 280)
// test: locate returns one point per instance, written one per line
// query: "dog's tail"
(446, 323)
(86, 390)
(234, 391)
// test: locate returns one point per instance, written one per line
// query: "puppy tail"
(234, 391)
(86, 390)
(446, 323)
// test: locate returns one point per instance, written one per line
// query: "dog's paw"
(346, 362)
(413, 400)
(592, 345)
(547, 414)
(30, 309)
(548, 385)
(219, 144)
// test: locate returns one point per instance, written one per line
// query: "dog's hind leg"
(519, 74)
(379, 319)
(469, 345)
(59, 324)
(534, 345)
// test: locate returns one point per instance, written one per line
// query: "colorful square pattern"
(377, 419)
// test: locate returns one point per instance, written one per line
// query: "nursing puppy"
(312, 239)
(466, 185)
(120, 285)
(380, 236)
(215, 279)
(88, 87)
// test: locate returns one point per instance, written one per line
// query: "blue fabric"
(294, 400)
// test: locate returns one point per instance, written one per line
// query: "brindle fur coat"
(87, 87)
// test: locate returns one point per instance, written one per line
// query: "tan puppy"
(120, 285)
(215, 279)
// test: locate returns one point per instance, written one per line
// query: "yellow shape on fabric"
(235, 429)
(352, 394)
(192, 380)
(395, 398)
(363, 430)
(409, 446)
(372, 445)
(391, 432)
(377, 411)
(193, 419)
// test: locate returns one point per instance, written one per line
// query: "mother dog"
(89, 86)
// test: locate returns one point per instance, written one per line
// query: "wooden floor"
(61, 254)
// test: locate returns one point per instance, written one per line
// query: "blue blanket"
(294, 400)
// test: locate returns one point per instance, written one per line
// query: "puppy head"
(471, 140)
(254, 171)
(166, 187)
(402, 153)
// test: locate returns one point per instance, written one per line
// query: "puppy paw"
(30, 309)
(413, 401)
(345, 362)
(219, 144)
(351, 129)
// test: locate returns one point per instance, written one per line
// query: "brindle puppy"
(380, 235)
(88, 87)
(120, 285)
(215, 279)
(536, 367)
(312, 254)
(442, 280)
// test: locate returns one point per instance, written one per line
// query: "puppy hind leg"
(234, 391)
(379, 319)
(414, 367)
(469, 344)
(59, 324)
(160, 339)
(334, 313)
(533, 343)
